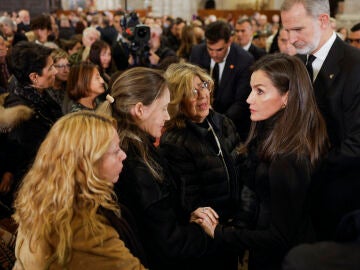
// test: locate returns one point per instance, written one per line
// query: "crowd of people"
(159, 143)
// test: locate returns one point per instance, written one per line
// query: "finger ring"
(203, 210)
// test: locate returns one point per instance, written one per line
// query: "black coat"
(234, 87)
(256, 52)
(337, 92)
(26, 135)
(170, 241)
(282, 219)
(203, 177)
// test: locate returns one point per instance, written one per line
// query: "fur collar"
(11, 117)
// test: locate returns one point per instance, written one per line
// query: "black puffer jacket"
(204, 176)
(170, 241)
(25, 132)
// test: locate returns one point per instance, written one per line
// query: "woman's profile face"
(47, 78)
(265, 99)
(97, 83)
(197, 107)
(105, 57)
(111, 163)
(155, 115)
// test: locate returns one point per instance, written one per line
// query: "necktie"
(215, 76)
(309, 67)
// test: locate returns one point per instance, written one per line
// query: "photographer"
(158, 51)
(147, 48)
(120, 48)
(138, 44)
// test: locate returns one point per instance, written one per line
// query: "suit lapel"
(330, 68)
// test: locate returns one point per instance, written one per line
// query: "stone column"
(350, 15)
(184, 8)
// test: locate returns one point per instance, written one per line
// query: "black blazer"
(256, 52)
(234, 87)
(337, 91)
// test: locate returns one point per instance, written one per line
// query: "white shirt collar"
(247, 46)
(322, 54)
(221, 64)
(324, 50)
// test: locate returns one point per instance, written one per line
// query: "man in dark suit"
(243, 36)
(336, 81)
(231, 65)
(120, 46)
(354, 36)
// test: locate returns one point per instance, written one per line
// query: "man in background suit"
(243, 36)
(232, 85)
(354, 36)
(336, 81)
(119, 46)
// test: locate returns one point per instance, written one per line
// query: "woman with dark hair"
(100, 55)
(286, 142)
(29, 111)
(187, 41)
(84, 86)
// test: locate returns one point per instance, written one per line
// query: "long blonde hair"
(64, 182)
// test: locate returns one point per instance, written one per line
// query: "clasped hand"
(207, 218)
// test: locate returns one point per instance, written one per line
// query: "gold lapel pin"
(331, 76)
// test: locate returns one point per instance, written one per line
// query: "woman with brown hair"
(100, 55)
(187, 41)
(84, 86)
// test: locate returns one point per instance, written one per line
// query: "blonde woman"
(60, 202)
(205, 145)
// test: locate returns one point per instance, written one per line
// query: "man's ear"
(324, 20)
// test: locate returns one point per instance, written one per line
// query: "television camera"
(138, 36)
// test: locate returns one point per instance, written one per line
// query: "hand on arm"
(207, 218)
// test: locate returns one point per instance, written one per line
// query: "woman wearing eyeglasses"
(61, 63)
(204, 142)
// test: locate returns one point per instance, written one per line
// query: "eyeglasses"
(62, 66)
(204, 85)
(351, 40)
